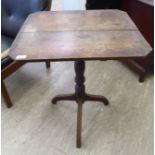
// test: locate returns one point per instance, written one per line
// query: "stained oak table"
(79, 36)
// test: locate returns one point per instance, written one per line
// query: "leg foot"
(65, 97)
(99, 98)
(79, 125)
(6, 96)
(48, 65)
(141, 78)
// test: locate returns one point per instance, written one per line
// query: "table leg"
(98, 98)
(80, 96)
(63, 97)
(79, 125)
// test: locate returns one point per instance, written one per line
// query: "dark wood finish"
(79, 67)
(137, 68)
(79, 125)
(65, 97)
(11, 69)
(80, 96)
(6, 95)
(4, 74)
(142, 13)
(48, 65)
(49, 4)
(78, 36)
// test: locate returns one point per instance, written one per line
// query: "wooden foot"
(66, 97)
(141, 77)
(48, 65)
(6, 96)
(137, 68)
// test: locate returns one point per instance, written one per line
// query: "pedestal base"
(86, 97)
(80, 97)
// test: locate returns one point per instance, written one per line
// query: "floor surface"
(33, 126)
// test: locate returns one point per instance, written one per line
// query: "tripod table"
(79, 36)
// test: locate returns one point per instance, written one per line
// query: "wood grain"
(78, 20)
(76, 35)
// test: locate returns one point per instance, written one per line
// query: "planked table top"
(79, 35)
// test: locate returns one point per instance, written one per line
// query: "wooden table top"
(79, 35)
